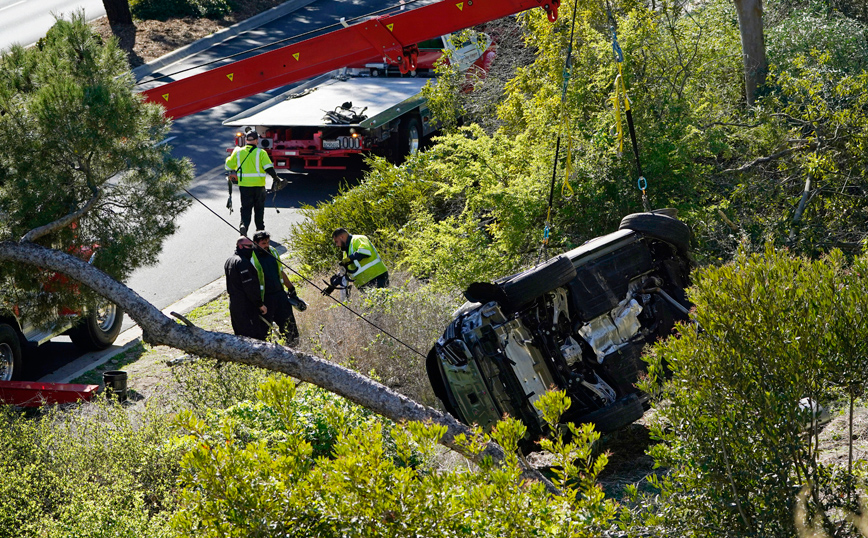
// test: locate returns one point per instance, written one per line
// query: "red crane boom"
(392, 37)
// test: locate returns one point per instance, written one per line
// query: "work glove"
(296, 301)
(346, 262)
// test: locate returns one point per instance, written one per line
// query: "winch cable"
(561, 129)
(281, 262)
(622, 96)
(278, 42)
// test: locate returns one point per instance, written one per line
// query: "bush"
(165, 9)
(97, 470)
(233, 487)
(774, 329)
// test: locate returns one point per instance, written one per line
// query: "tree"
(753, 47)
(118, 11)
(69, 115)
(83, 164)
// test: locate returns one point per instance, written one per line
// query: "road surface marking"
(13, 5)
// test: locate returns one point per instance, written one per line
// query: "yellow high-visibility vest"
(250, 163)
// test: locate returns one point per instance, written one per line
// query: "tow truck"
(367, 108)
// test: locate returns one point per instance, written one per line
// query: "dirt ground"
(148, 40)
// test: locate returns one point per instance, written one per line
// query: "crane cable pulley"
(562, 129)
(620, 97)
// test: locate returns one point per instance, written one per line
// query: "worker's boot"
(243, 230)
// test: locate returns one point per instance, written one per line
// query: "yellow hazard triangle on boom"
(460, 6)
(231, 76)
(166, 97)
(296, 55)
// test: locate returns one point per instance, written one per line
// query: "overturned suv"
(577, 322)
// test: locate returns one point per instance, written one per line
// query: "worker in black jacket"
(245, 302)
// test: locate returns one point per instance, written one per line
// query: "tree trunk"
(753, 46)
(118, 12)
(159, 329)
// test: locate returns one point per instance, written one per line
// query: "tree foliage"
(738, 436)
(78, 138)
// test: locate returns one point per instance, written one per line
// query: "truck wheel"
(659, 226)
(10, 353)
(99, 329)
(409, 137)
(527, 286)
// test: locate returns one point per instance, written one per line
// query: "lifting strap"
(563, 129)
(622, 97)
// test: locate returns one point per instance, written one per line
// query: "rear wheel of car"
(99, 329)
(659, 226)
(10, 353)
(616, 415)
(529, 285)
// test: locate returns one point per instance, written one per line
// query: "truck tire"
(409, 137)
(99, 329)
(529, 285)
(10, 354)
(659, 226)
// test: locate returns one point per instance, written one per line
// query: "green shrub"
(97, 470)
(165, 9)
(205, 384)
(774, 329)
(250, 488)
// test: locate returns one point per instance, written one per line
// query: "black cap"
(252, 135)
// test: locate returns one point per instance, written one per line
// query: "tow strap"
(620, 97)
(563, 128)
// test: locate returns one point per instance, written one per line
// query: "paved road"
(25, 21)
(194, 256)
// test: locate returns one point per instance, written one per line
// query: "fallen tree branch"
(62, 222)
(159, 329)
(778, 155)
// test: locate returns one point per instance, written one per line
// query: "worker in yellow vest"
(251, 164)
(275, 289)
(360, 257)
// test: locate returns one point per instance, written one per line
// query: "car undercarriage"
(578, 323)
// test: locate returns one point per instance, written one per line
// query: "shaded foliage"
(74, 130)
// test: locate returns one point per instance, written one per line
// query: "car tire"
(529, 285)
(659, 226)
(10, 354)
(99, 329)
(616, 415)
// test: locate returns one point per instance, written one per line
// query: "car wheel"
(529, 285)
(99, 329)
(10, 353)
(616, 415)
(659, 226)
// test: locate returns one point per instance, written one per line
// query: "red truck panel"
(385, 36)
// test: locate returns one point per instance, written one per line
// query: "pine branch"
(62, 222)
